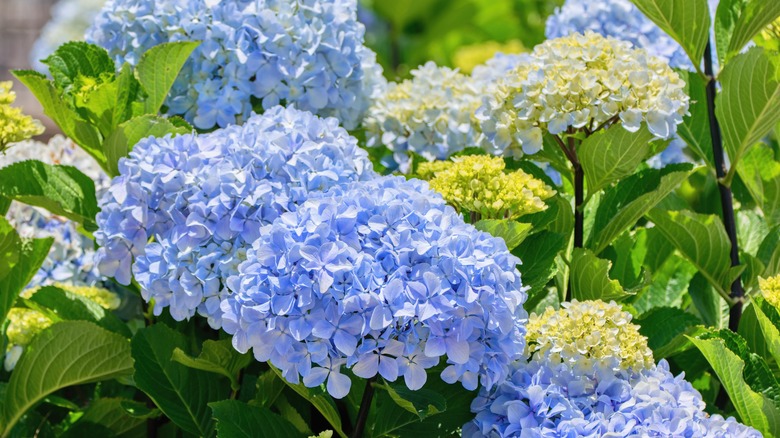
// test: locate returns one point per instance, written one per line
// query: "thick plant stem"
(570, 150)
(726, 197)
(365, 406)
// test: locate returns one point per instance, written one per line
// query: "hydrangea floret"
(203, 199)
(770, 289)
(581, 82)
(14, 125)
(477, 185)
(429, 115)
(254, 55)
(466, 58)
(381, 277)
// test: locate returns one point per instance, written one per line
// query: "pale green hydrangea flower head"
(14, 125)
(770, 288)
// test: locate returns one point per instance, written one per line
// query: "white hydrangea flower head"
(581, 82)
(430, 115)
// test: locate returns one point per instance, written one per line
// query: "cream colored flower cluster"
(14, 125)
(479, 185)
(429, 115)
(770, 288)
(581, 82)
(586, 333)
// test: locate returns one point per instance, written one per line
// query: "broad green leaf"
(128, 90)
(321, 401)
(761, 175)
(181, 393)
(537, 254)
(10, 246)
(769, 331)
(269, 388)
(158, 68)
(755, 16)
(110, 413)
(423, 402)
(62, 190)
(291, 414)
(77, 58)
(140, 410)
(663, 325)
(667, 286)
(61, 305)
(625, 203)
(695, 128)
(512, 232)
(236, 419)
(99, 105)
(66, 118)
(686, 21)
(31, 257)
(65, 354)
(702, 239)
(5, 204)
(728, 12)
(709, 304)
(120, 142)
(627, 255)
(754, 409)
(748, 108)
(608, 156)
(757, 373)
(769, 253)
(216, 357)
(590, 278)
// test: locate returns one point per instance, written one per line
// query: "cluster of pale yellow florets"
(581, 82)
(468, 57)
(770, 288)
(14, 125)
(477, 184)
(588, 333)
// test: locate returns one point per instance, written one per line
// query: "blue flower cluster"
(203, 200)
(545, 400)
(384, 278)
(308, 53)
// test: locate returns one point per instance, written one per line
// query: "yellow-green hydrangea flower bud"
(14, 125)
(586, 333)
(428, 169)
(24, 324)
(468, 57)
(477, 184)
(770, 288)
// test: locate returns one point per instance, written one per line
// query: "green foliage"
(158, 69)
(216, 357)
(611, 155)
(236, 419)
(61, 305)
(590, 278)
(695, 129)
(511, 231)
(745, 19)
(32, 253)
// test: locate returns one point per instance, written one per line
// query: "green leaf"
(128, 90)
(216, 357)
(158, 68)
(757, 373)
(77, 58)
(624, 204)
(181, 393)
(10, 246)
(663, 325)
(512, 232)
(627, 255)
(269, 388)
(755, 16)
(754, 409)
(702, 239)
(686, 21)
(31, 257)
(5, 204)
(128, 133)
(66, 118)
(611, 155)
(770, 332)
(62, 190)
(590, 278)
(320, 399)
(668, 284)
(423, 402)
(761, 175)
(99, 106)
(537, 254)
(728, 12)
(769, 253)
(110, 413)
(709, 304)
(59, 304)
(65, 354)
(695, 128)
(748, 108)
(236, 419)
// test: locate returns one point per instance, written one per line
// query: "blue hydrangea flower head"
(204, 199)
(384, 278)
(254, 53)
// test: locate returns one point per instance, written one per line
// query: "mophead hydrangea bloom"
(770, 289)
(588, 333)
(478, 185)
(381, 277)
(581, 82)
(467, 58)
(72, 256)
(543, 399)
(14, 125)
(255, 54)
(429, 115)
(69, 21)
(203, 200)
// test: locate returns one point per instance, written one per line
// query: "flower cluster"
(581, 82)
(588, 333)
(253, 53)
(557, 399)
(384, 278)
(14, 125)
(467, 58)
(72, 255)
(770, 289)
(203, 200)
(429, 115)
(70, 20)
(478, 184)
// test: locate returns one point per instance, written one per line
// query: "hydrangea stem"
(726, 197)
(570, 150)
(365, 407)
